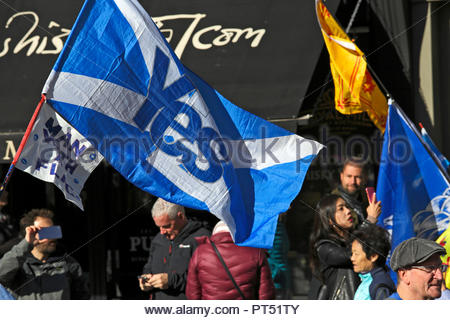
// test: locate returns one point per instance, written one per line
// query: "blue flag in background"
(119, 83)
(414, 193)
(4, 294)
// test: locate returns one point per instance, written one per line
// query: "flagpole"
(22, 144)
(426, 146)
(372, 72)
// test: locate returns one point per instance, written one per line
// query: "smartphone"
(144, 278)
(53, 232)
(370, 191)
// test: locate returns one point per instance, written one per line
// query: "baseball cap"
(414, 251)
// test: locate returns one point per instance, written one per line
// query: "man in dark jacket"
(32, 270)
(165, 273)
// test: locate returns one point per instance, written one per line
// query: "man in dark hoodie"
(165, 273)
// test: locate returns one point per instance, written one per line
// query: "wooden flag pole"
(22, 144)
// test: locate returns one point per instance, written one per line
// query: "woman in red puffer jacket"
(208, 280)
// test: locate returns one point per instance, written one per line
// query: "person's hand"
(374, 209)
(32, 236)
(160, 281)
(144, 282)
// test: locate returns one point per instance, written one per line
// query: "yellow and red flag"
(444, 240)
(355, 89)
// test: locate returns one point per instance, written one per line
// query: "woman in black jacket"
(333, 275)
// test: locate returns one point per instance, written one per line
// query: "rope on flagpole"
(22, 144)
(352, 18)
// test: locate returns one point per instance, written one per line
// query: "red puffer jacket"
(208, 280)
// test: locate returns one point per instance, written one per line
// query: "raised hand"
(374, 209)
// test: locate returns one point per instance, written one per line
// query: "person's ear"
(181, 215)
(331, 222)
(374, 257)
(402, 274)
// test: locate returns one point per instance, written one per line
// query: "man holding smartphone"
(32, 269)
(165, 273)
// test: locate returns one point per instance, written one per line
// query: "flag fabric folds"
(56, 152)
(355, 89)
(414, 193)
(168, 132)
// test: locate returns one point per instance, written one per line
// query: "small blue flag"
(119, 83)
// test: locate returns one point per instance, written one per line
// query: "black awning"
(259, 54)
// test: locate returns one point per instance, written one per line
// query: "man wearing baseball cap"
(419, 269)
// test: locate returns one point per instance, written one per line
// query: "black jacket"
(337, 270)
(172, 257)
(382, 285)
(60, 277)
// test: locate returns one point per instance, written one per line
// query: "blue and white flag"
(414, 192)
(445, 163)
(4, 294)
(56, 152)
(165, 130)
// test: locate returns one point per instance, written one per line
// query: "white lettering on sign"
(36, 44)
(223, 36)
(10, 151)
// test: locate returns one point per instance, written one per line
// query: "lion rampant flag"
(355, 89)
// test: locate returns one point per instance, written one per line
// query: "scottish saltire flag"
(445, 163)
(165, 130)
(414, 192)
(56, 152)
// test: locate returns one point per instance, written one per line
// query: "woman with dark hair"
(333, 275)
(370, 248)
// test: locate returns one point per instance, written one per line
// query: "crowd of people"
(348, 256)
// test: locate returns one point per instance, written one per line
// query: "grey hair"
(162, 207)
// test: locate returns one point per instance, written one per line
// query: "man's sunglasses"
(429, 269)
